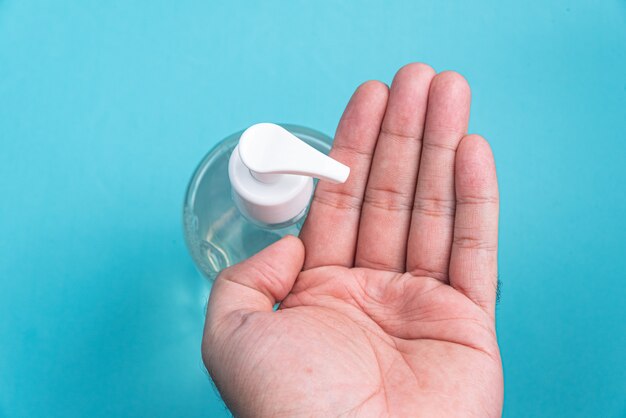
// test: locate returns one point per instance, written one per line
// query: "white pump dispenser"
(271, 173)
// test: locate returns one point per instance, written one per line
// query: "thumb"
(258, 283)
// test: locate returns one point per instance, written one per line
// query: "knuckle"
(473, 243)
(396, 135)
(442, 147)
(388, 198)
(352, 150)
(338, 199)
(373, 263)
(435, 206)
(477, 200)
(440, 275)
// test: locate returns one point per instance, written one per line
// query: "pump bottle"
(251, 189)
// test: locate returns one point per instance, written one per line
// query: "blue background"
(106, 108)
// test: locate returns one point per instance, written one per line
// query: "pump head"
(271, 172)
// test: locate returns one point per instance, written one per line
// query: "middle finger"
(388, 201)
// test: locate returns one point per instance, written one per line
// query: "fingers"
(330, 231)
(432, 221)
(386, 212)
(259, 282)
(474, 261)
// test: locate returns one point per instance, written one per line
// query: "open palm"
(387, 301)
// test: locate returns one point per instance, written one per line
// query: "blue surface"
(106, 108)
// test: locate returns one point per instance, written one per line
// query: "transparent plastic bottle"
(216, 233)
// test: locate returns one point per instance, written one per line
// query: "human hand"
(390, 310)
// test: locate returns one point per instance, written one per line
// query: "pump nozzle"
(266, 149)
(271, 173)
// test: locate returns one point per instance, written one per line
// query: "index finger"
(330, 231)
